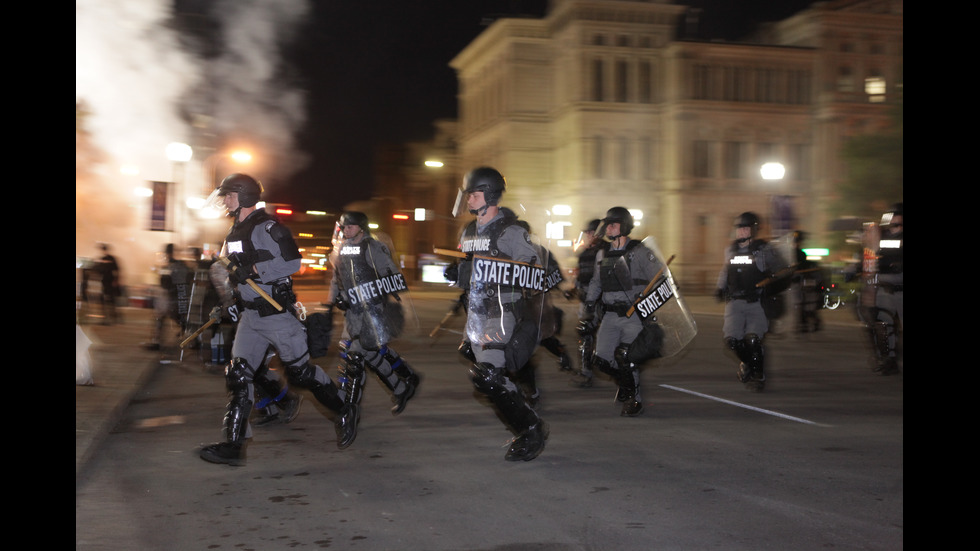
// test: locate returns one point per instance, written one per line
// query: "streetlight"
(772, 171)
(240, 156)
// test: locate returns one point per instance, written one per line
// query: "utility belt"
(747, 296)
(620, 308)
(282, 293)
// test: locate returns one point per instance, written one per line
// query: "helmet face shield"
(460, 205)
(216, 202)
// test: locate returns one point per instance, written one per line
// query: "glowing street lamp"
(772, 171)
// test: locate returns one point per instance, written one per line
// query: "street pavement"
(121, 367)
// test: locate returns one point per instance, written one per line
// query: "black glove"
(586, 327)
(341, 303)
(238, 274)
(589, 312)
(451, 273)
(720, 295)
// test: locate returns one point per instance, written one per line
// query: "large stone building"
(601, 103)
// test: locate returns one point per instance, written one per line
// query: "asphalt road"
(813, 463)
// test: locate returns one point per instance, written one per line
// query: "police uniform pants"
(613, 330)
(743, 317)
(889, 307)
(283, 331)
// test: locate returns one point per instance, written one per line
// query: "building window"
(734, 159)
(624, 159)
(646, 158)
(645, 78)
(622, 81)
(798, 166)
(700, 86)
(874, 87)
(700, 159)
(597, 81)
(845, 79)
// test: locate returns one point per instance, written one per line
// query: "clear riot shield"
(372, 286)
(668, 325)
(549, 320)
(506, 297)
(505, 306)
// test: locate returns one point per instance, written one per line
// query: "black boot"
(228, 453)
(520, 417)
(529, 444)
(346, 425)
(411, 381)
(289, 407)
(630, 386)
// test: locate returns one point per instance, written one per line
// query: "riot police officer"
(504, 288)
(262, 256)
(366, 286)
(586, 331)
(889, 291)
(622, 271)
(749, 263)
(173, 296)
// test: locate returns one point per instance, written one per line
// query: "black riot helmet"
(249, 189)
(897, 210)
(487, 180)
(354, 218)
(621, 216)
(748, 220)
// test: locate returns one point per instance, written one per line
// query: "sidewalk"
(120, 367)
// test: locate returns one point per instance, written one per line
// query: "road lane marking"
(746, 406)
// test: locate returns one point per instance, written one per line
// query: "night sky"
(378, 72)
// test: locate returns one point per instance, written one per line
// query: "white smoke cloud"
(246, 77)
(132, 74)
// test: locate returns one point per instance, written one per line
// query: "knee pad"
(301, 375)
(488, 379)
(604, 366)
(238, 375)
(732, 344)
(753, 351)
(238, 379)
(621, 355)
(882, 334)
